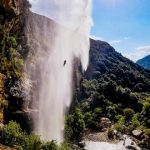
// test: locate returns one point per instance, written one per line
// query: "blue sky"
(125, 24)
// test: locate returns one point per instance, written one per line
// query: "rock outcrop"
(137, 133)
(10, 8)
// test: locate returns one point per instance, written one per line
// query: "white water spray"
(57, 44)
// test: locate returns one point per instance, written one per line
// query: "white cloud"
(115, 41)
(120, 41)
(110, 42)
(139, 52)
(97, 38)
(143, 48)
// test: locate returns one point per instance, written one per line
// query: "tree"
(146, 113)
(129, 113)
(76, 123)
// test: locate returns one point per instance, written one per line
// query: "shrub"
(118, 117)
(97, 100)
(88, 117)
(147, 132)
(11, 42)
(31, 142)
(135, 122)
(128, 112)
(98, 113)
(76, 123)
(12, 134)
(119, 127)
(146, 113)
(111, 112)
(64, 146)
(121, 120)
(3, 104)
(110, 133)
(68, 134)
(50, 146)
(146, 107)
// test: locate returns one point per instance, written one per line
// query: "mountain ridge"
(144, 62)
(105, 60)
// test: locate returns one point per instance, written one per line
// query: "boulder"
(104, 130)
(81, 144)
(130, 147)
(105, 123)
(137, 133)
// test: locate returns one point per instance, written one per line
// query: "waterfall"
(54, 43)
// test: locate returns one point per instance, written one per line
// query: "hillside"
(105, 61)
(144, 62)
(113, 87)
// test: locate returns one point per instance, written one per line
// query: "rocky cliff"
(13, 50)
(8, 19)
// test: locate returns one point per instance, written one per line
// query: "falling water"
(58, 41)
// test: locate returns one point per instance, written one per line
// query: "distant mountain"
(105, 62)
(144, 62)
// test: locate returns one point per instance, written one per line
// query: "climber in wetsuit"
(65, 62)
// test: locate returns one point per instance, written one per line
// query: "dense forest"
(112, 87)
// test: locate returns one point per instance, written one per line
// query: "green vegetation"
(12, 135)
(146, 112)
(11, 60)
(110, 100)
(75, 125)
(116, 88)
